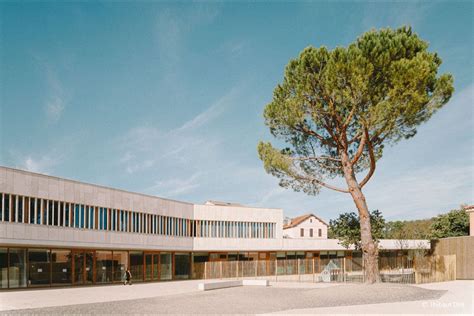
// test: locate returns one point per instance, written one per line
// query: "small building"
(470, 210)
(306, 226)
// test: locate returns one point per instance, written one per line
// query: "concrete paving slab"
(458, 300)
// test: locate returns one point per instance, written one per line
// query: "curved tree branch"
(314, 180)
(316, 158)
(372, 160)
(360, 149)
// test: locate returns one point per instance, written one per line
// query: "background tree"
(453, 224)
(414, 229)
(346, 228)
(337, 109)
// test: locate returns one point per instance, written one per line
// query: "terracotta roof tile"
(298, 220)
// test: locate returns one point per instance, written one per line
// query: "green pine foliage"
(374, 92)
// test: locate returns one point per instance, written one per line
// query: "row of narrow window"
(320, 232)
(30, 210)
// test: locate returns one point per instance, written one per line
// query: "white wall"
(312, 222)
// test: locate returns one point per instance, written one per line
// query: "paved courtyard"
(183, 298)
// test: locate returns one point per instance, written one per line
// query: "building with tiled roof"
(306, 226)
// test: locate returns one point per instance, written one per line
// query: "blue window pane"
(76, 216)
(32, 210)
(82, 216)
(66, 217)
(105, 218)
(38, 211)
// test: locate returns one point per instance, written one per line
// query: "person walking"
(128, 277)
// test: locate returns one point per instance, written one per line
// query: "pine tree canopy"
(350, 101)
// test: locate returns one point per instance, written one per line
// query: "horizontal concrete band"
(15, 234)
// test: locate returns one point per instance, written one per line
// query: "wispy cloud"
(424, 192)
(54, 108)
(57, 97)
(186, 147)
(173, 28)
(56, 101)
(176, 187)
(233, 48)
(211, 113)
(42, 164)
(382, 14)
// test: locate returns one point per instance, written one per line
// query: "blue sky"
(167, 98)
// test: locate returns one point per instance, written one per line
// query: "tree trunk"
(369, 249)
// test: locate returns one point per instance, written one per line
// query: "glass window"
(61, 267)
(156, 266)
(106, 218)
(199, 260)
(32, 210)
(148, 267)
(50, 213)
(103, 265)
(1, 206)
(19, 201)
(38, 211)
(6, 207)
(290, 255)
(56, 213)
(91, 217)
(165, 266)
(4, 268)
(302, 232)
(120, 263)
(66, 215)
(136, 265)
(82, 217)
(26, 210)
(76, 216)
(13, 210)
(17, 268)
(83, 267)
(182, 265)
(61, 213)
(39, 265)
(113, 220)
(320, 232)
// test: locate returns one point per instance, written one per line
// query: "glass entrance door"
(152, 266)
(156, 266)
(89, 267)
(165, 266)
(148, 267)
(83, 267)
(78, 261)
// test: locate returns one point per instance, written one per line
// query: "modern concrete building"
(55, 231)
(306, 226)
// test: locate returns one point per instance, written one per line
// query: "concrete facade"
(30, 184)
